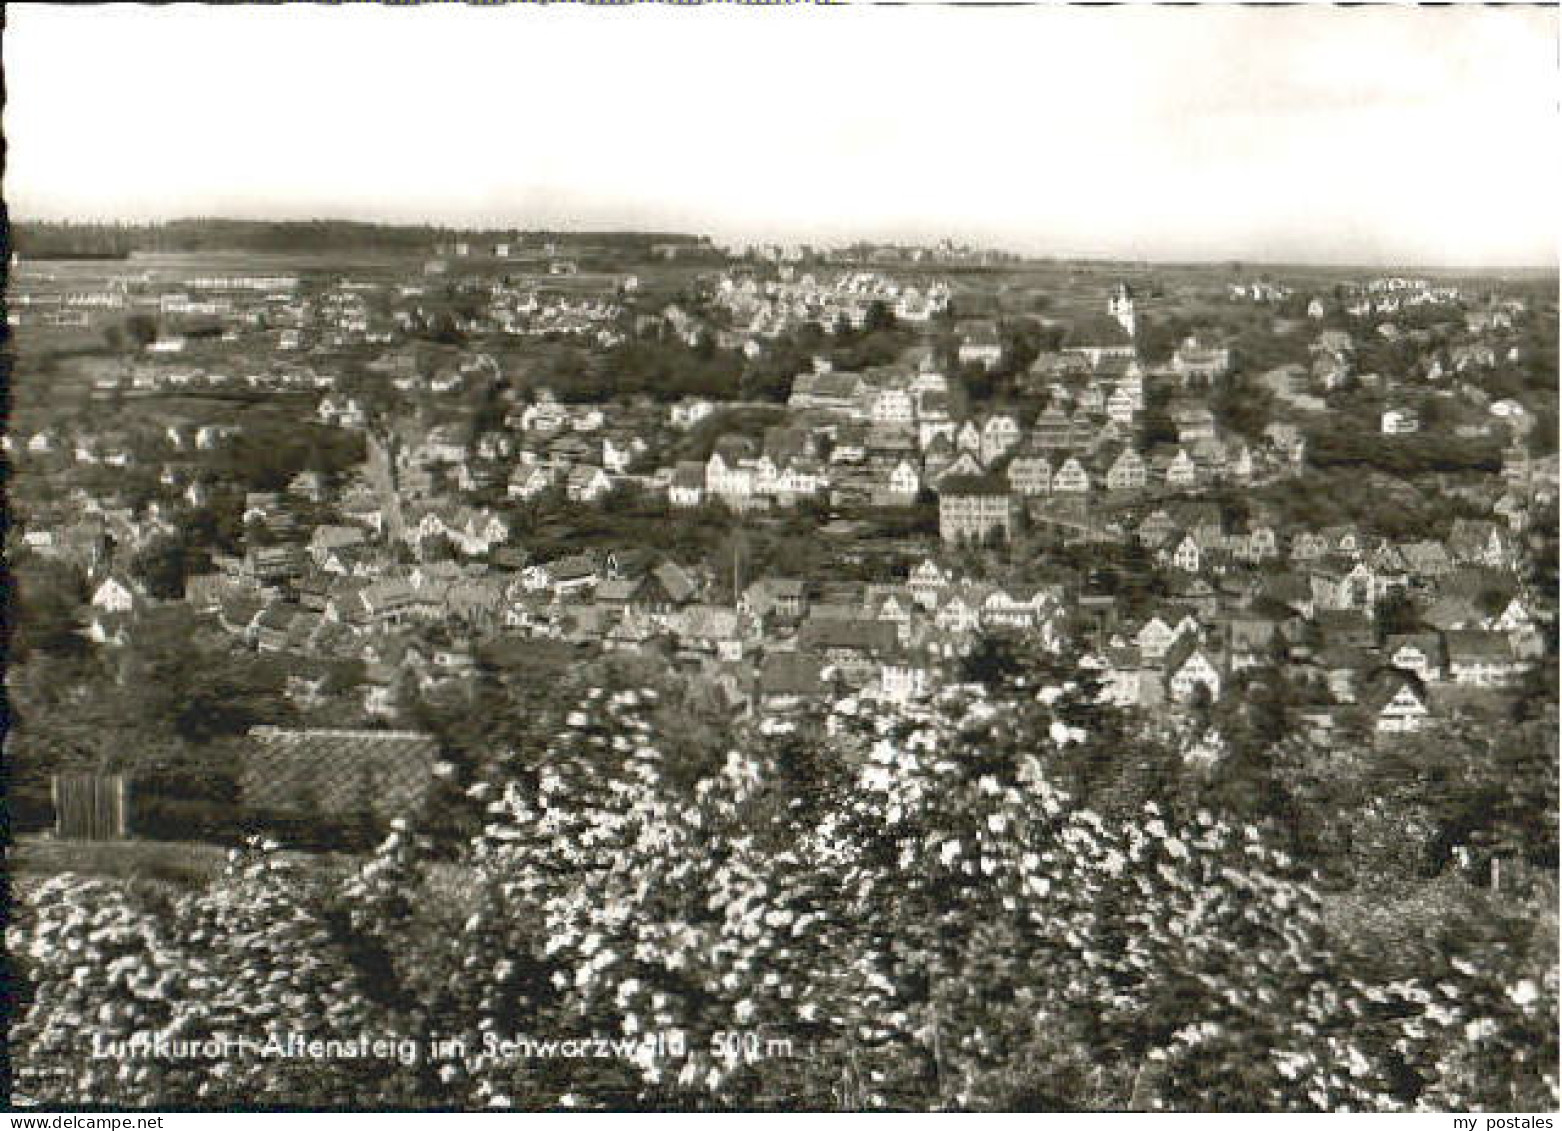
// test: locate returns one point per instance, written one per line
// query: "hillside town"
(548, 573)
(795, 482)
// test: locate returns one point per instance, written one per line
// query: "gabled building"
(728, 478)
(1029, 475)
(1155, 638)
(904, 678)
(958, 611)
(1071, 478)
(1182, 471)
(1420, 653)
(1480, 542)
(586, 484)
(775, 598)
(117, 594)
(963, 466)
(903, 482)
(1515, 617)
(1399, 422)
(968, 438)
(1128, 472)
(789, 680)
(1198, 363)
(1259, 544)
(1099, 338)
(529, 482)
(1395, 702)
(1053, 431)
(980, 343)
(687, 488)
(1477, 658)
(1000, 433)
(1188, 555)
(975, 508)
(1187, 666)
(927, 582)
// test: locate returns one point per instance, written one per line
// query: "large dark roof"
(1473, 644)
(820, 634)
(972, 485)
(790, 673)
(337, 772)
(1098, 331)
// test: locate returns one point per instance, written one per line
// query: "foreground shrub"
(888, 908)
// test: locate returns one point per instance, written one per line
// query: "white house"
(1398, 705)
(529, 482)
(927, 582)
(115, 595)
(1030, 475)
(892, 406)
(1188, 557)
(1071, 477)
(1187, 666)
(904, 481)
(733, 482)
(586, 484)
(1000, 432)
(1515, 617)
(1400, 422)
(1480, 659)
(1155, 638)
(903, 681)
(1121, 406)
(1182, 471)
(687, 487)
(1419, 654)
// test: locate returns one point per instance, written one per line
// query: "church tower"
(1120, 305)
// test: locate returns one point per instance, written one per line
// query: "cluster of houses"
(363, 585)
(145, 378)
(337, 593)
(1391, 294)
(526, 311)
(43, 298)
(768, 308)
(1477, 626)
(279, 313)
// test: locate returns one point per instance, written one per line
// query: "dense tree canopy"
(849, 911)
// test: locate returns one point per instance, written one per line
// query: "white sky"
(1408, 135)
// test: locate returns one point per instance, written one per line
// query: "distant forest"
(86, 240)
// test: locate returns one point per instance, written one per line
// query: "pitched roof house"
(1395, 702)
(1478, 658)
(1418, 652)
(1186, 666)
(118, 594)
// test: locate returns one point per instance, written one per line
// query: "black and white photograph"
(781, 558)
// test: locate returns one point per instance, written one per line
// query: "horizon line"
(815, 243)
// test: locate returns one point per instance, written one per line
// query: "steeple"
(1120, 305)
